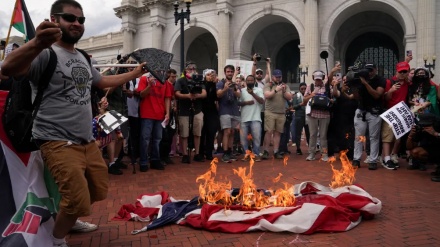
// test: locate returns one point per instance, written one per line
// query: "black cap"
(370, 65)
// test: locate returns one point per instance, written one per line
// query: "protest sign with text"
(245, 66)
(400, 118)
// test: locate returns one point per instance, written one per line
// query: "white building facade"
(290, 32)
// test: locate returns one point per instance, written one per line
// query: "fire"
(346, 175)
(347, 136)
(362, 138)
(286, 158)
(248, 196)
(211, 191)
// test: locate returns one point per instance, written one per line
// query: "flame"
(346, 175)
(286, 158)
(211, 191)
(248, 196)
(362, 139)
(347, 136)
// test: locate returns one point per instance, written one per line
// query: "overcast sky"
(100, 16)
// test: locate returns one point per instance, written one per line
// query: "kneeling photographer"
(367, 87)
(190, 91)
(424, 142)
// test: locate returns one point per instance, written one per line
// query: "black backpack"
(20, 112)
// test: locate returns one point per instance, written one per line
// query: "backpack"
(20, 112)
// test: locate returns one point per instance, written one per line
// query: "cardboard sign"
(400, 118)
(111, 120)
(245, 66)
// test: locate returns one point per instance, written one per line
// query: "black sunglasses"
(259, 73)
(403, 71)
(72, 18)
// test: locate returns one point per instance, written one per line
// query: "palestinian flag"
(22, 21)
(29, 195)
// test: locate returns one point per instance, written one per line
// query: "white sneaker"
(81, 226)
(324, 157)
(310, 157)
(293, 144)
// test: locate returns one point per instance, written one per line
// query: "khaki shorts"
(229, 122)
(387, 133)
(80, 173)
(197, 125)
(274, 121)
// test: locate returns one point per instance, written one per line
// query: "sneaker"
(395, 158)
(356, 164)
(226, 157)
(185, 159)
(310, 157)
(265, 155)
(389, 165)
(257, 158)
(435, 178)
(199, 158)
(219, 150)
(293, 144)
(209, 157)
(278, 155)
(60, 245)
(120, 165)
(114, 170)
(168, 161)
(143, 168)
(372, 166)
(82, 226)
(324, 157)
(157, 165)
(299, 152)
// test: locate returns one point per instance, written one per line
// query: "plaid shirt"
(315, 113)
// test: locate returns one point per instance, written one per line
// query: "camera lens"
(258, 56)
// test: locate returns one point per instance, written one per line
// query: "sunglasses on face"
(403, 72)
(259, 73)
(71, 18)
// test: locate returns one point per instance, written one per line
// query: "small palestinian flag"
(22, 21)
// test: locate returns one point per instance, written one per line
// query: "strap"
(43, 83)
(85, 55)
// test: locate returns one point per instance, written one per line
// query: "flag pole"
(10, 27)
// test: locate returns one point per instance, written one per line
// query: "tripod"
(191, 135)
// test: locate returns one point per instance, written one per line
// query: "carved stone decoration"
(158, 61)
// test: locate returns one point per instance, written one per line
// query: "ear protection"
(318, 73)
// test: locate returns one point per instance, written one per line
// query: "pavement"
(409, 217)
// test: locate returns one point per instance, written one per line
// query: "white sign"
(245, 66)
(400, 118)
(111, 120)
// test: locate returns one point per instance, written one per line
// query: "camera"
(355, 73)
(258, 56)
(425, 120)
(195, 84)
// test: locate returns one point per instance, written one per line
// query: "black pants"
(284, 138)
(211, 123)
(300, 123)
(133, 138)
(166, 141)
(263, 132)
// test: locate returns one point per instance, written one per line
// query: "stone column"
(157, 34)
(128, 35)
(224, 50)
(311, 37)
(425, 30)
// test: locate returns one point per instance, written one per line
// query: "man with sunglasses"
(62, 126)
(396, 90)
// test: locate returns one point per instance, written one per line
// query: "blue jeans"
(151, 130)
(255, 127)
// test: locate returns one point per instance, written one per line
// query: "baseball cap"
(402, 66)
(277, 72)
(370, 66)
(258, 70)
(318, 75)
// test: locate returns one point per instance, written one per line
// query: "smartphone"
(338, 75)
(409, 53)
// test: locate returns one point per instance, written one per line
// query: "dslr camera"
(195, 84)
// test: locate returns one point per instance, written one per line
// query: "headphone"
(320, 71)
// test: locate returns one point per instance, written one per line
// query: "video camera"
(195, 84)
(355, 72)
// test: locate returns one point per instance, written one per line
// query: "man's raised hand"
(47, 33)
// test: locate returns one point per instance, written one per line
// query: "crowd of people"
(200, 116)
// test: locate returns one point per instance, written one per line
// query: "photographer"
(424, 142)
(366, 87)
(211, 120)
(190, 91)
(228, 92)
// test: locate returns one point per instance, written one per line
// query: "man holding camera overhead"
(189, 91)
(367, 88)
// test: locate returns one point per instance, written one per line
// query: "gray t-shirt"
(65, 113)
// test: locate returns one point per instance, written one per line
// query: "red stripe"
(18, 16)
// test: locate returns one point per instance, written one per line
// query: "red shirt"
(399, 95)
(152, 106)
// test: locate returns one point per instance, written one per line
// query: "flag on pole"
(22, 21)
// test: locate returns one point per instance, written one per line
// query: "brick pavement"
(410, 214)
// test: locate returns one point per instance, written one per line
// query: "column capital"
(158, 24)
(226, 11)
(128, 29)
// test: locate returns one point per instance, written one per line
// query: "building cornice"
(129, 9)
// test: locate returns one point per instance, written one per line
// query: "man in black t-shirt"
(368, 92)
(188, 102)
